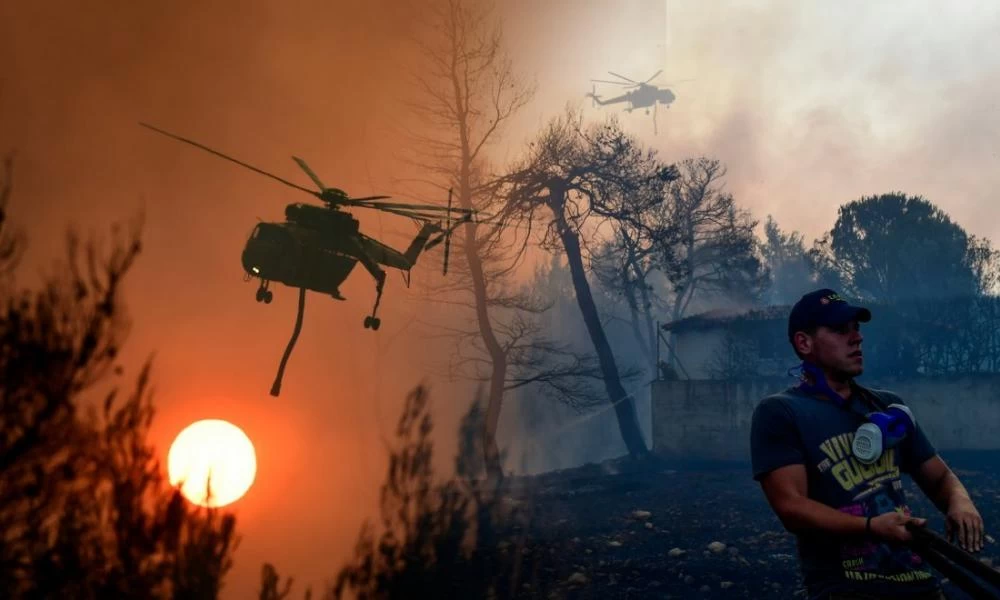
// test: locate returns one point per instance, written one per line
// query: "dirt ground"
(687, 531)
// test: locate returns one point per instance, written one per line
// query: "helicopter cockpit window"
(267, 232)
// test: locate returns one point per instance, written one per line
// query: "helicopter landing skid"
(372, 321)
(263, 294)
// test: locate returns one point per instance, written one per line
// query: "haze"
(810, 105)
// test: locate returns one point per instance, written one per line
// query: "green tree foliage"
(787, 262)
(85, 509)
(984, 262)
(893, 248)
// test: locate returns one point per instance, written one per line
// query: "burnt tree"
(470, 91)
(581, 177)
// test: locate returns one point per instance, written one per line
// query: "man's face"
(837, 349)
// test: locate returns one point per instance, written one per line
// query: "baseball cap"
(823, 307)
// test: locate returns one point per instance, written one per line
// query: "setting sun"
(212, 452)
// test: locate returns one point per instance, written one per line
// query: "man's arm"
(940, 484)
(778, 462)
(786, 491)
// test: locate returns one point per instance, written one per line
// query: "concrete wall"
(710, 420)
(696, 350)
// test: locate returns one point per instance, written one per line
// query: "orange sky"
(261, 82)
(810, 107)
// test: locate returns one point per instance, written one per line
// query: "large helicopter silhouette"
(317, 247)
(643, 96)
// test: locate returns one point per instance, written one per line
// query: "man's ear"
(803, 342)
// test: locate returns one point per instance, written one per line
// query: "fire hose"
(960, 567)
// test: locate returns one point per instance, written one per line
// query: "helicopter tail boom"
(615, 100)
(419, 243)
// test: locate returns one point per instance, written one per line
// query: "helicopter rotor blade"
(675, 82)
(415, 207)
(447, 234)
(425, 216)
(611, 82)
(467, 217)
(367, 198)
(302, 164)
(654, 76)
(623, 77)
(229, 158)
(409, 214)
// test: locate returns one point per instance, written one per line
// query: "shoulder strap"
(872, 396)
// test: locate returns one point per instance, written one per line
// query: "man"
(848, 513)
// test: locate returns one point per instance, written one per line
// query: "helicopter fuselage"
(297, 256)
(643, 96)
(317, 248)
(646, 96)
(322, 219)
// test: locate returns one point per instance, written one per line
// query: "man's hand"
(965, 523)
(891, 526)
(942, 486)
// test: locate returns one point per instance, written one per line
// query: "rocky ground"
(686, 531)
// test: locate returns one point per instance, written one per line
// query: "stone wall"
(710, 420)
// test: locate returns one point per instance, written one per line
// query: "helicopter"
(644, 96)
(317, 246)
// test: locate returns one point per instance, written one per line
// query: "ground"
(686, 531)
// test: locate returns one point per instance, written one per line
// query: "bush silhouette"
(85, 509)
(454, 539)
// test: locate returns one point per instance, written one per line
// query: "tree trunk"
(675, 315)
(648, 342)
(654, 342)
(498, 358)
(634, 322)
(637, 315)
(681, 302)
(628, 420)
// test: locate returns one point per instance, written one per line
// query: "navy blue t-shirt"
(793, 427)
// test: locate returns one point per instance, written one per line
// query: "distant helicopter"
(644, 96)
(317, 247)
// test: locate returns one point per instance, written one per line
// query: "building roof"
(720, 317)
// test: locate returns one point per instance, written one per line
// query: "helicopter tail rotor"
(422, 243)
(445, 235)
(447, 232)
